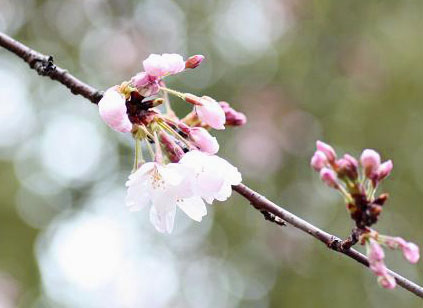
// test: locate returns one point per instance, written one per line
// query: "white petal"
(172, 174)
(112, 109)
(194, 207)
(224, 193)
(137, 197)
(163, 220)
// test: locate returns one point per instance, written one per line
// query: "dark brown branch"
(44, 66)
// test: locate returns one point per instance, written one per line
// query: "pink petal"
(112, 109)
(194, 207)
(174, 63)
(203, 140)
(211, 113)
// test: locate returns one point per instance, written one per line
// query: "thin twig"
(44, 66)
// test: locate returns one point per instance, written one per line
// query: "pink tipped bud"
(233, 117)
(328, 176)
(327, 149)
(194, 61)
(370, 160)
(347, 166)
(384, 170)
(351, 160)
(393, 242)
(203, 140)
(318, 161)
(411, 252)
(173, 150)
(208, 110)
(387, 281)
(375, 251)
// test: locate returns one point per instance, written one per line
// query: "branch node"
(269, 216)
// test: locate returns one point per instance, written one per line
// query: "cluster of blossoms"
(183, 170)
(358, 187)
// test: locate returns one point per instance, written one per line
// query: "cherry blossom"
(161, 188)
(212, 176)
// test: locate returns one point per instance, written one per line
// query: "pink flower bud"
(327, 150)
(318, 161)
(411, 252)
(208, 110)
(203, 140)
(194, 61)
(172, 149)
(393, 242)
(328, 176)
(387, 281)
(112, 109)
(347, 166)
(375, 252)
(378, 268)
(233, 117)
(351, 160)
(376, 255)
(384, 170)
(370, 160)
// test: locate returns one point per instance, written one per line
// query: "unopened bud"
(351, 160)
(233, 117)
(318, 161)
(381, 199)
(384, 170)
(347, 167)
(328, 176)
(370, 160)
(194, 61)
(387, 281)
(173, 150)
(203, 140)
(411, 252)
(327, 150)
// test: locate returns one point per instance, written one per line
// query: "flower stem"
(138, 154)
(173, 92)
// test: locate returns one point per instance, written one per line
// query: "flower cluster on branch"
(183, 170)
(358, 187)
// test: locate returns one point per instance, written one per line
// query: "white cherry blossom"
(164, 189)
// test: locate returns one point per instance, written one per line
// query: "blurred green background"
(347, 72)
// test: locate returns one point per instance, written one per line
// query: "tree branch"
(44, 66)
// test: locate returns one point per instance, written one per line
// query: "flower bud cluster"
(374, 246)
(183, 171)
(356, 181)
